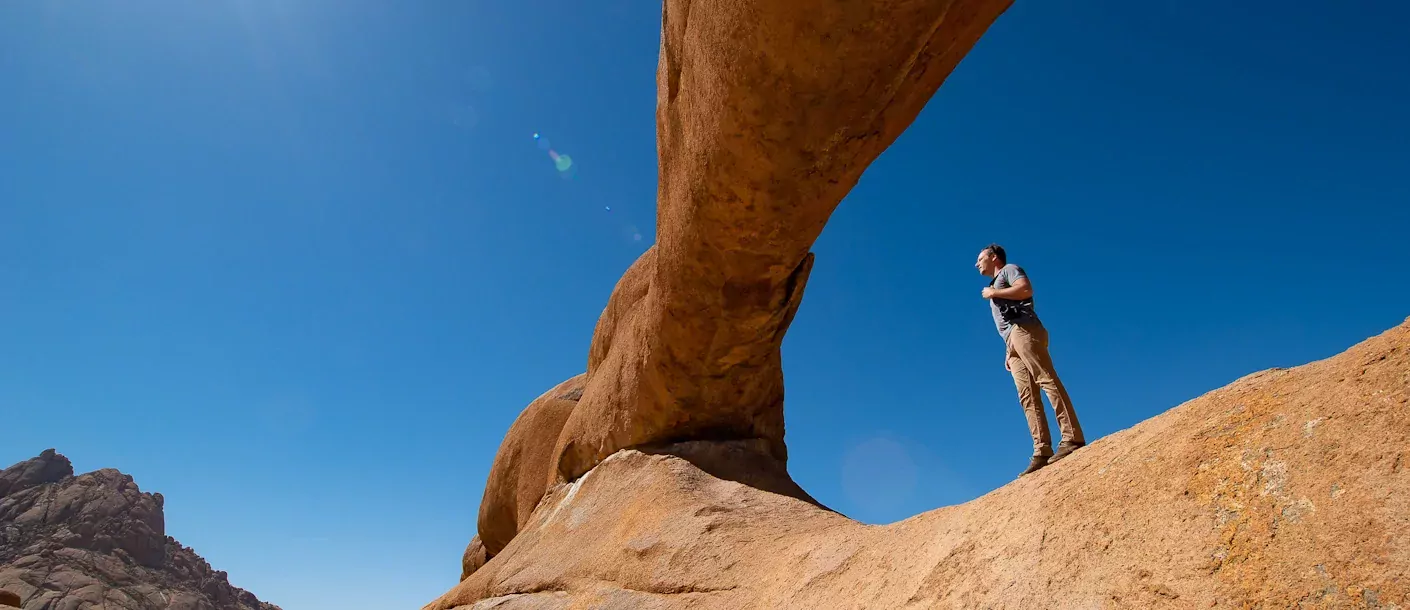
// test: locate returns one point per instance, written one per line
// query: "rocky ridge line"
(97, 541)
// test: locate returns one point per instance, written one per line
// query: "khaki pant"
(1032, 368)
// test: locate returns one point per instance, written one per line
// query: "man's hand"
(988, 293)
(1006, 364)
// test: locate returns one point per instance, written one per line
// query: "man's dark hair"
(998, 253)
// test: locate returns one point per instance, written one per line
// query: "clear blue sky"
(298, 265)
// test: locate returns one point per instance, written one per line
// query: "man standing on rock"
(1011, 301)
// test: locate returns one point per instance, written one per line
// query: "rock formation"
(1285, 489)
(522, 464)
(767, 115)
(96, 541)
(658, 479)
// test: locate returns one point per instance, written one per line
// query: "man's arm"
(1020, 290)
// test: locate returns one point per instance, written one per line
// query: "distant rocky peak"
(97, 540)
(49, 467)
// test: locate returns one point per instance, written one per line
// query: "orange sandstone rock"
(1287, 488)
(517, 479)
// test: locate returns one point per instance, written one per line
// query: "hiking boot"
(1065, 449)
(1037, 462)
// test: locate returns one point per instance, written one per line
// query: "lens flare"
(561, 162)
(879, 475)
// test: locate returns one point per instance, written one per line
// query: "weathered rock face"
(521, 467)
(474, 557)
(767, 115)
(96, 540)
(1286, 489)
(9, 599)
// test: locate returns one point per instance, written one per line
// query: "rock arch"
(767, 115)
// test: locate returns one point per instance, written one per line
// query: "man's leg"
(1032, 403)
(1031, 344)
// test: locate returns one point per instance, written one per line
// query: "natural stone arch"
(767, 115)
(768, 112)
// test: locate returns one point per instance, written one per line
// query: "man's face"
(986, 263)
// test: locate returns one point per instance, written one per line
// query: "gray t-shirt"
(1009, 312)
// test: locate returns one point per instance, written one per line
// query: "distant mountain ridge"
(97, 541)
